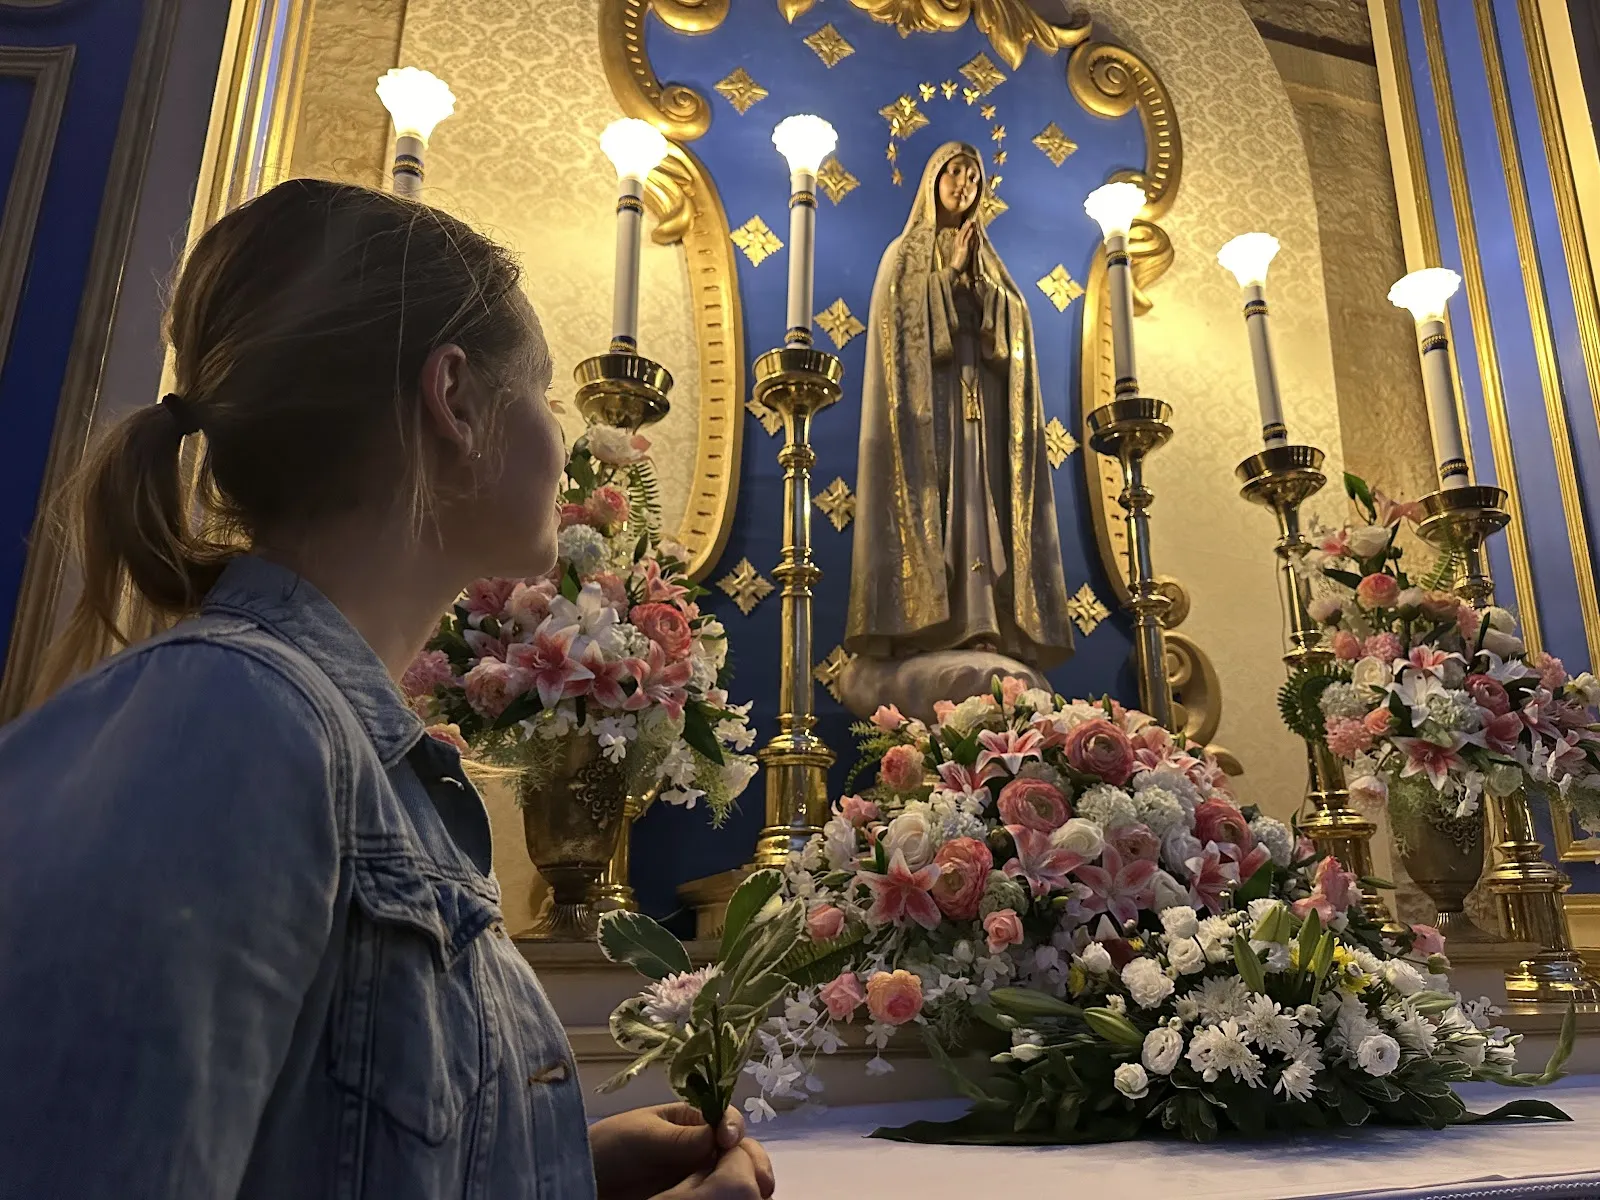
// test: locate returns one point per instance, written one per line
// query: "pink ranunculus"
(487, 597)
(857, 811)
(1440, 606)
(575, 514)
(901, 769)
(492, 685)
(964, 864)
(1489, 693)
(608, 506)
(824, 923)
(1384, 646)
(894, 997)
(1502, 732)
(842, 996)
(529, 604)
(612, 589)
(942, 710)
(1378, 722)
(427, 671)
(1468, 621)
(1425, 940)
(1346, 646)
(1099, 748)
(1010, 688)
(1348, 737)
(1220, 822)
(888, 718)
(1136, 842)
(450, 735)
(665, 626)
(1003, 928)
(1552, 673)
(1378, 591)
(1033, 804)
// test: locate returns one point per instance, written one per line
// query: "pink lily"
(1430, 758)
(902, 894)
(1538, 714)
(1430, 660)
(484, 646)
(548, 658)
(1391, 512)
(1045, 867)
(1121, 890)
(1210, 874)
(661, 683)
(610, 676)
(1008, 748)
(657, 589)
(967, 781)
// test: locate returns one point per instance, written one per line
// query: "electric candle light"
(417, 101)
(1247, 257)
(634, 148)
(804, 140)
(1425, 293)
(1113, 207)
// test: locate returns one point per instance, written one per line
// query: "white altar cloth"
(826, 1154)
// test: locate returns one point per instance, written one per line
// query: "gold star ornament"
(904, 117)
(746, 585)
(839, 323)
(983, 74)
(771, 420)
(1062, 288)
(1058, 443)
(837, 502)
(1086, 610)
(835, 180)
(827, 671)
(756, 240)
(829, 46)
(1054, 144)
(741, 91)
(990, 206)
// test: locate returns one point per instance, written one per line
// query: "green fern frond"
(644, 498)
(1444, 570)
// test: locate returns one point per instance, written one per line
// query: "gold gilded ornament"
(756, 240)
(1058, 443)
(948, 87)
(896, 178)
(1000, 158)
(1086, 610)
(839, 323)
(827, 671)
(741, 91)
(987, 112)
(904, 117)
(892, 153)
(1054, 144)
(1011, 25)
(1062, 288)
(837, 502)
(997, 134)
(746, 585)
(983, 74)
(835, 180)
(794, 8)
(927, 90)
(990, 206)
(829, 46)
(769, 417)
(970, 95)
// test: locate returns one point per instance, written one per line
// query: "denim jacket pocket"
(410, 1031)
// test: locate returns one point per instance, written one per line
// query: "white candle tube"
(1119, 279)
(625, 288)
(1438, 383)
(407, 170)
(417, 101)
(802, 240)
(1268, 398)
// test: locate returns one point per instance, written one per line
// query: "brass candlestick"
(1127, 429)
(796, 382)
(630, 392)
(1527, 889)
(1282, 478)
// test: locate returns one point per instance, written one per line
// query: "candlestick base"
(1281, 476)
(1459, 520)
(626, 390)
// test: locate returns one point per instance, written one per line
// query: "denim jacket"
(249, 941)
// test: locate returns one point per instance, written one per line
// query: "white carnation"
(1186, 955)
(1108, 807)
(1146, 982)
(1037, 699)
(1402, 977)
(1180, 921)
(1275, 836)
(1366, 541)
(970, 713)
(1378, 1054)
(1131, 1081)
(1162, 1049)
(1175, 783)
(1167, 891)
(1081, 837)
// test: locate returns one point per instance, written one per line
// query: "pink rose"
(824, 923)
(1378, 591)
(1033, 804)
(1136, 842)
(1378, 722)
(1552, 674)
(492, 684)
(1502, 732)
(1097, 747)
(1348, 737)
(1004, 928)
(665, 626)
(1346, 646)
(428, 670)
(487, 597)
(607, 506)
(530, 602)
(1384, 646)
(942, 710)
(842, 996)
(888, 718)
(1426, 940)
(901, 769)
(1220, 822)
(964, 864)
(1441, 606)
(613, 589)
(450, 735)
(1010, 688)
(1468, 621)
(1489, 693)
(857, 811)
(894, 997)
(575, 514)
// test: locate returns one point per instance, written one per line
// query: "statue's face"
(958, 185)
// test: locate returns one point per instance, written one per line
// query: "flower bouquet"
(1430, 702)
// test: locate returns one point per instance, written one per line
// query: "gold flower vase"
(614, 891)
(1446, 863)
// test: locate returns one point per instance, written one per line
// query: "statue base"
(914, 684)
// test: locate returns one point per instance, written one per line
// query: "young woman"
(249, 941)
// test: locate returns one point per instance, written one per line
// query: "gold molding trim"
(1569, 848)
(688, 210)
(1488, 354)
(1011, 25)
(80, 387)
(682, 113)
(1196, 689)
(1539, 317)
(1108, 80)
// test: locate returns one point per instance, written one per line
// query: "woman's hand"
(966, 247)
(670, 1151)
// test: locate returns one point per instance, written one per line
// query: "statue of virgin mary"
(955, 536)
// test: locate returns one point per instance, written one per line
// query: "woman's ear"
(449, 400)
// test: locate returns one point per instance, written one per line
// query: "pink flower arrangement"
(1378, 591)
(1033, 803)
(901, 769)
(1097, 747)
(964, 864)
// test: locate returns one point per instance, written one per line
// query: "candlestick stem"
(625, 283)
(406, 173)
(1265, 367)
(802, 265)
(1119, 282)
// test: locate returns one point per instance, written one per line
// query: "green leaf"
(754, 998)
(570, 587)
(1373, 881)
(1310, 936)
(1563, 1051)
(692, 1056)
(1024, 1003)
(699, 734)
(632, 1032)
(995, 1020)
(1356, 488)
(1353, 1110)
(748, 900)
(636, 1066)
(1349, 578)
(1515, 1110)
(1256, 887)
(770, 942)
(957, 1077)
(633, 938)
(810, 964)
(1248, 964)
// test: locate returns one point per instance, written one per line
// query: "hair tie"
(182, 413)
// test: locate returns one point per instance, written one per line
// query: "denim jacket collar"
(292, 609)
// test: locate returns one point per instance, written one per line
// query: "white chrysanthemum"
(1161, 1050)
(1411, 1029)
(1308, 1015)
(1268, 1026)
(1303, 1047)
(1146, 982)
(1378, 1055)
(584, 547)
(1186, 1009)
(1275, 836)
(1160, 810)
(1220, 999)
(1108, 807)
(1220, 1048)
(1342, 700)
(1298, 1082)
(668, 1001)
